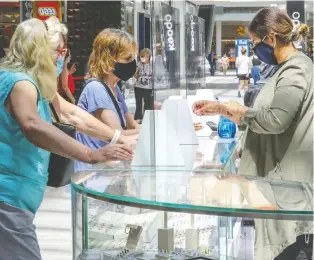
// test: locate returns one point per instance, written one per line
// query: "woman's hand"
(111, 152)
(207, 108)
(129, 141)
(72, 70)
(232, 110)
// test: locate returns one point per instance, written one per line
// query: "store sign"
(168, 23)
(48, 9)
(295, 10)
(192, 33)
(169, 39)
(242, 42)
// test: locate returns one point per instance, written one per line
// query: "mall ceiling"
(239, 3)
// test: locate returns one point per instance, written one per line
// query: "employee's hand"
(206, 108)
(73, 101)
(234, 111)
(112, 152)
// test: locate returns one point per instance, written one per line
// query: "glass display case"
(204, 212)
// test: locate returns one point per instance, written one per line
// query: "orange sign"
(43, 10)
(241, 30)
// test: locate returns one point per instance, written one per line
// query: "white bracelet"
(116, 136)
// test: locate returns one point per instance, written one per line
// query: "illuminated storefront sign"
(43, 10)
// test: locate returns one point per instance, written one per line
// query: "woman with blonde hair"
(112, 60)
(28, 77)
(279, 139)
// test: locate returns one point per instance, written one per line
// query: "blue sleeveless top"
(23, 166)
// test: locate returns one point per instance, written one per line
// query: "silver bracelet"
(116, 136)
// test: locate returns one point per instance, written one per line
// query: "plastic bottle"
(226, 128)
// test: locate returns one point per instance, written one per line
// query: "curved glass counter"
(203, 209)
(182, 214)
(200, 192)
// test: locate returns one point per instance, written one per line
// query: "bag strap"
(114, 100)
(54, 112)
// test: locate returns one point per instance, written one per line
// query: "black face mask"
(125, 71)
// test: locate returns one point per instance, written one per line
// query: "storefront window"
(9, 19)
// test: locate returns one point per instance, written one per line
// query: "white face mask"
(143, 59)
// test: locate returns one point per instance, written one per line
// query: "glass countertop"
(199, 192)
(212, 153)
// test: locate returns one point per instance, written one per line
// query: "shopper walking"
(243, 66)
(225, 64)
(28, 83)
(143, 89)
(212, 62)
(256, 63)
(112, 60)
(279, 142)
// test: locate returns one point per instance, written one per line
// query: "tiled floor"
(53, 220)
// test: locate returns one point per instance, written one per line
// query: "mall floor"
(53, 219)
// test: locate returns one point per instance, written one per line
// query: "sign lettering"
(192, 33)
(169, 32)
(244, 42)
(296, 18)
(47, 11)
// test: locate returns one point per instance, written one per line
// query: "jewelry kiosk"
(125, 211)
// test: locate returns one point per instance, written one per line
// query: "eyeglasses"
(256, 43)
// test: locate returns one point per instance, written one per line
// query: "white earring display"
(158, 144)
(178, 113)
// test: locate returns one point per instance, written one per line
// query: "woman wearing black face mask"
(279, 143)
(112, 60)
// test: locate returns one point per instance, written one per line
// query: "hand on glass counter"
(112, 152)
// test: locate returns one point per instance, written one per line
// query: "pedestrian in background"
(212, 62)
(243, 66)
(64, 84)
(143, 89)
(225, 64)
(255, 64)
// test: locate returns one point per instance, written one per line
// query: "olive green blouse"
(279, 145)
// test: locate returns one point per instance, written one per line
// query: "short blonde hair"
(109, 46)
(145, 52)
(31, 50)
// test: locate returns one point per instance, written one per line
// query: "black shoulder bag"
(60, 168)
(114, 100)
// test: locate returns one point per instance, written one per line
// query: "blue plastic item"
(226, 128)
